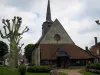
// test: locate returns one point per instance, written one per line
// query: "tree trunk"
(13, 55)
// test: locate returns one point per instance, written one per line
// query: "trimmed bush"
(39, 69)
(22, 69)
(95, 68)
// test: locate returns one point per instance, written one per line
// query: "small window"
(97, 60)
(97, 51)
(49, 25)
(57, 37)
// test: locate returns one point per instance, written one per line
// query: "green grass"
(61, 73)
(87, 73)
(7, 71)
(37, 74)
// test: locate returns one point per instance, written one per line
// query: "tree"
(28, 51)
(13, 35)
(3, 49)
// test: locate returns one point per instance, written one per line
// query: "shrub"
(95, 68)
(39, 69)
(22, 69)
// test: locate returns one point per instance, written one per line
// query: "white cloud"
(69, 12)
(29, 19)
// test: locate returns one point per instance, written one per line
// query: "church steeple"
(48, 23)
(48, 14)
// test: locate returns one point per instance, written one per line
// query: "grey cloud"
(91, 10)
(21, 4)
(91, 29)
(59, 10)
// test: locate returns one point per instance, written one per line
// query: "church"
(55, 46)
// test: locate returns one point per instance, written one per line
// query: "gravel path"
(71, 71)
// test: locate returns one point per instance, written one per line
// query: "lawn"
(87, 73)
(7, 71)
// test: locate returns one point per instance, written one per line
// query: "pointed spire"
(48, 15)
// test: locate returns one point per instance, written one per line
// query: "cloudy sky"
(77, 17)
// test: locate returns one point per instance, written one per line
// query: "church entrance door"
(62, 62)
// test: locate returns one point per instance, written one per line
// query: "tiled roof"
(98, 44)
(91, 53)
(49, 51)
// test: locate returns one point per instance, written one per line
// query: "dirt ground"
(71, 71)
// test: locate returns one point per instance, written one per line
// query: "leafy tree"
(3, 48)
(28, 51)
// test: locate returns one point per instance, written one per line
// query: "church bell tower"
(48, 23)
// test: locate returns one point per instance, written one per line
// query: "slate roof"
(49, 51)
(38, 42)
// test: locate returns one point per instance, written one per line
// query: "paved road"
(71, 71)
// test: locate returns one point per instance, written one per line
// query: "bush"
(31, 64)
(22, 69)
(95, 68)
(39, 69)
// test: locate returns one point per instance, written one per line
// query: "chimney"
(86, 48)
(95, 40)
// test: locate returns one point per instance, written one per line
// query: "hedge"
(38, 69)
(94, 68)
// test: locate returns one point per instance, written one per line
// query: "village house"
(95, 49)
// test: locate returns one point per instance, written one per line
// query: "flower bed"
(94, 68)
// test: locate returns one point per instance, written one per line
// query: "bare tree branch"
(19, 47)
(25, 30)
(8, 24)
(2, 35)
(5, 30)
(18, 40)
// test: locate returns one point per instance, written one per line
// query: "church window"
(97, 51)
(57, 37)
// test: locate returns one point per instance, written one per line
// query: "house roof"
(62, 52)
(38, 42)
(98, 44)
(49, 51)
(93, 54)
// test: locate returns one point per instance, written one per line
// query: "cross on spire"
(48, 14)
